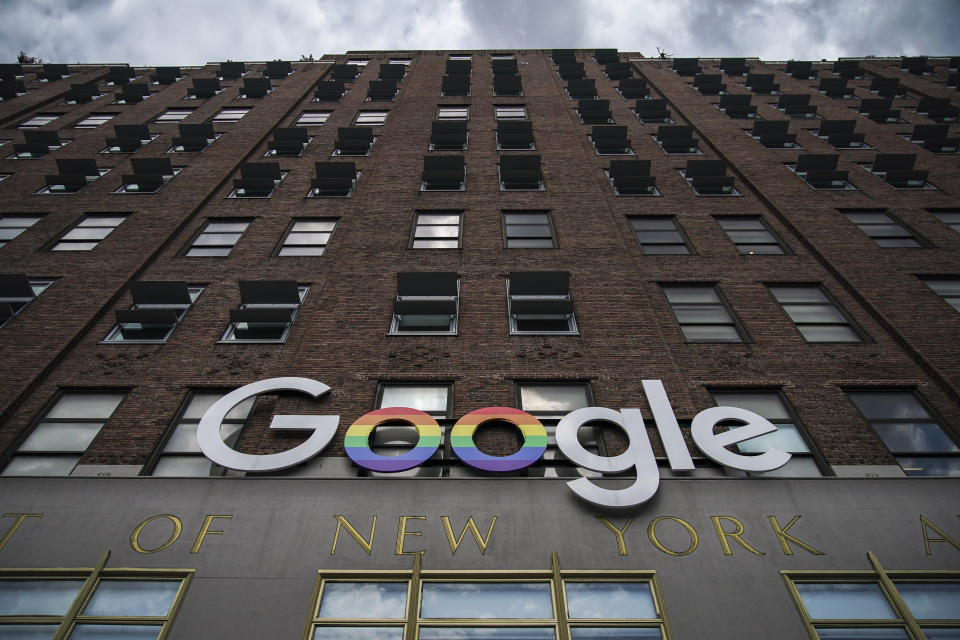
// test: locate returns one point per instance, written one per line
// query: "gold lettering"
(652, 534)
(736, 535)
(402, 533)
(926, 524)
(135, 536)
(785, 538)
(472, 526)
(205, 531)
(342, 522)
(20, 517)
(621, 543)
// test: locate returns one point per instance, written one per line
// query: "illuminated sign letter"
(323, 427)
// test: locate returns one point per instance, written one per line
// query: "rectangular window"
(510, 112)
(16, 292)
(538, 302)
(232, 114)
(181, 455)
(702, 314)
(371, 118)
(56, 444)
(950, 218)
(444, 173)
(13, 226)
(435, 399)
(453, 112)
(360, 62)
(39, 120)
(88, 233)
(436, 230)
(158, 307)
(257, 180)
(307, 237)
(882, 228)
(946, 288)
(921, 446)
(217, 238)
(660, 235)
(751, 236)
(312, 118)
(528, 230)
(149, 174)
(862, 604)
(789, 436)
(173, 115)
(426, 303)
(267, 311)
(90, 603)
(815, 315)
(94, 120)
(532, 605)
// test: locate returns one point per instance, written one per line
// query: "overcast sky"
(190, 32)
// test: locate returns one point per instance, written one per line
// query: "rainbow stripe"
(534, 439)
(357, 439)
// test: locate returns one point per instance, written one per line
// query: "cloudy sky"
(186, 32)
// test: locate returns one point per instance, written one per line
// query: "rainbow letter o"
(357, 439)
(534, 439)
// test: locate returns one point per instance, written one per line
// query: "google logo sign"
(638, 455)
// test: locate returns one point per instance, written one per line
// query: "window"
(94, 120)
(334, 179)
(403, 61)
(549, 402)
(257, 180)
(815, 315)
(217, 238)
(820, 171)
(632, 178)
(288, 141)
(751, 236)
(520, 173)
(950, 217)
(435, 399)
(39, 120)
(436, 230)
(453, 112)
(702, 314)
(16, 292)
(443, 173)
(660, 235)
(193, 137)
(946, 288)
(90, 603)
(538, 302)
(267, 311)
(510, 112)
(37, 143)
(312, 118)
(515, 135)
(426, 303)
(371, 118)
(181, 455)
(88, 233)
(709, 178)
(896, 169)
(774, 134)
(789, 436)
(353, 141)
(913, 436)
(610, 140)
(232, 114)
(129, 138)
(624, 604)
(678, 140)
(75, 174)
(307, 237)
(255, 88)
(149, 174)
(13, 226)
(528, 230)
(173, 115)
(448, 135)
(894, 605)
(56, 444)
(882, 228)
(158, 307)
(360, 62)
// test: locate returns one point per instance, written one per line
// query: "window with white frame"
(538, 302)
(510, 112)
(157, 309)
(39, 120)
(13, 226)
(267, 311)
(371, 118)
(307, 237)
(173, 115)
(789, 436)
(58, 441)
(426, 303)
(751, 235)
(312, 118)
(16, 292)
(88, 233)
(453, 112)
(181, 455)
(231, 114)
(816, 316)
(436, 230)
(94, 120)
(435, 399)
(217, 238)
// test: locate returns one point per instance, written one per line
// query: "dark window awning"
(82, 93)
(539, 283)
(455, 85)
(504, 84)
(426, 283)
(382, 90)
(345, 71)
(260, 316)
(278, 69)
(425, 307)
(894, 161)
(800, 69)
(504, 67)
(232, 70)
(582, 89)
(687, 66)
(702, 168)
(817, 161)
(149, 292)
(458, 67)
(571, 70)
(634, 88)
(334, 178)
(269, 292)
(15, 285)
(151, 317)
(78, 166)
(618, 70)
(330, 90)
(448, 134)
(261, 170)
(159, 166)
(392, 71)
